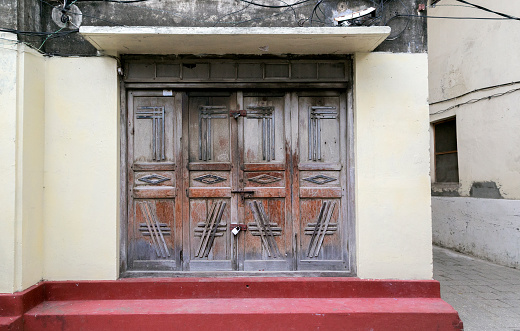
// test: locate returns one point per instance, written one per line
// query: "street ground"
(486, 295)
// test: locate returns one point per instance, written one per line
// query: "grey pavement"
(486, 295)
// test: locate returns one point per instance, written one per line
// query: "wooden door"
(320, 183)
(154, 213)
(264, 176)
(209, 179)
(273, 164)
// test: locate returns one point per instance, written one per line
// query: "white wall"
(393, 219)
(463, 223)
(465, 55)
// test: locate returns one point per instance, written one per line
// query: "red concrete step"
(234, 304)
(11, 323)
(244, 314)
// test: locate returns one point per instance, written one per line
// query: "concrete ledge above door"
(232, 40)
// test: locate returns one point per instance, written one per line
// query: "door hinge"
(181, 256)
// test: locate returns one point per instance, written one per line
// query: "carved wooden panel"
(318, 227)
(209, 234)
(152, 232)
(319, 129)
(209, 130)
(264, 139)
(153, 130)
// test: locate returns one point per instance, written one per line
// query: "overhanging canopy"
(232, 40)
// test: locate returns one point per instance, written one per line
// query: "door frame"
(166, 88)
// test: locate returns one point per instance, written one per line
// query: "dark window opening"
(446, 160)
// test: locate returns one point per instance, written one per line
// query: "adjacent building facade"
(474, 116)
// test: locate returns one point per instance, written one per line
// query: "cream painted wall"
(8, 102)
(21, 152)
(31, 137)
(393, 219)
(81, 169)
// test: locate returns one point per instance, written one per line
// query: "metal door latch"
(237, 113)
(243, 192)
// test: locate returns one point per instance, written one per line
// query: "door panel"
(209, 183)
(265, 241)
(321, 201)
(154, 217)
(210, 244)
(264, 137)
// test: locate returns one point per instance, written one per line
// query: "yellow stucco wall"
(393, 220)
(81, 169)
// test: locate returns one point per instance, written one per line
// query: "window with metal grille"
(446, 160)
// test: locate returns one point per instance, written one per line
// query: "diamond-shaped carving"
(153, 179)
(209, 179)
(264, 179)
(320, 179)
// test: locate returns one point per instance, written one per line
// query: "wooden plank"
(312, 192)
(154, 192)
(348, 208)
(124, 202)
(248, 85)
(264, 167)
(267, 192)
(155, 166)
(320, 166)
(202, 192)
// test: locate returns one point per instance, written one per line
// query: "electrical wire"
(475, 90)
(398, 35)
(475, 101)
(35, 33)
(278, 6)
(489, 10)
(455, 18)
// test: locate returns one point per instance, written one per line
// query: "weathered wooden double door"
(237, 181)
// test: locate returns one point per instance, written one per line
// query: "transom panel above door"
(237, 181)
